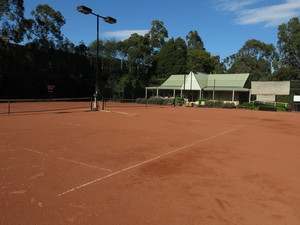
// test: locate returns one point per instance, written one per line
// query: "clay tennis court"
(168, 166)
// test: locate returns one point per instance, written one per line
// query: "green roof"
(207, 81)
(227, 80)
(174, 81)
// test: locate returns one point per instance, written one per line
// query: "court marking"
(147, 161)
(85, 164)
(69, 160)
(31, 150)
(119, 112)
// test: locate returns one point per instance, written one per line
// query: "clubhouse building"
(196, 85)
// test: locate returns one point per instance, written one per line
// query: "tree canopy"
(255, 57)
(289, 42)
(12, 20)
(45, 28)
(127, 66)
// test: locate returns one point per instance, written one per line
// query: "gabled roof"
(174, 81)
(227, 80)
(202, 81)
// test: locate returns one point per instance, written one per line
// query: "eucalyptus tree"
(289, 43)
(12, 23)
(171, 59)
(255, 57)
(158, 34)
(45, 28)
(136, 52)
(194, 41)
(200, 61)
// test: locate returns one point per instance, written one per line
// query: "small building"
(196, 85)
(266, 91)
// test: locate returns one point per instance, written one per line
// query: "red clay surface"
(166, 166)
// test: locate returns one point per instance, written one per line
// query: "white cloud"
(273, 15)
(227, 5)
(124, 34)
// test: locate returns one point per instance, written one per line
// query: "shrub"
(218, 104)
(267, 108)
(282, 108)
(202, 102)
(155, 100)
(178, 101)
(167, 101)
(229, 105)
(214, 104)
(249, 105)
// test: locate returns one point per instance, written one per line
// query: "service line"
(69, 160)
(147, 161)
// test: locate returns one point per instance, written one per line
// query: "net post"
(91, 103)
(103, 102)
(8, 110)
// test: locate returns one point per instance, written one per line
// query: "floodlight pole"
(108, 19)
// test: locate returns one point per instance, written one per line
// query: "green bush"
(178, 101)
(249, 105)
(200, 101)
(282, 108)
(214, 104)
(267, 108)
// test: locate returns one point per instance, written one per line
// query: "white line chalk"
(69, 160)
(41, 153)
(85, 164)
(145, 162)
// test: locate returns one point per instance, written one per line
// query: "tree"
(171, 59)
(285, 73)
(136, 49)
(194, 41)
(107, 48)
(289, 42)
(200, 61)
(81, 49)
(136, 52)
(12, 15)
(45, 28)
(255, 57)
(158, 33)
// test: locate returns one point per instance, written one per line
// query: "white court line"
(72, 161)
(28, 149)
(119, 112)
(84, 164)
(145, 162)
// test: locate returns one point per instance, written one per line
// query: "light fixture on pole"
(107, 19)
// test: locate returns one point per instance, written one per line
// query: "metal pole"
(184, 86)
(8, 107)
(97, 67)
(214, 90)
(192, 88)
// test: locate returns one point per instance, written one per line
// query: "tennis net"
(10, 106)
(134, 103)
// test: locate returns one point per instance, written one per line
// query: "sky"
(223, 25)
